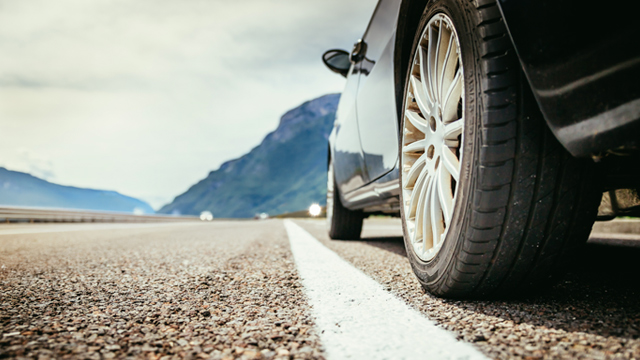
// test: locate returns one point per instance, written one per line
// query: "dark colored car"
(493, 129)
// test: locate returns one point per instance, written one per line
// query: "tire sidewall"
(432, 273)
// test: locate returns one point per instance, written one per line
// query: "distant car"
(261, 216)
(206, 216)
(491, 128)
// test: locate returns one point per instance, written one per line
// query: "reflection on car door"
(348, 161)
(375, 102)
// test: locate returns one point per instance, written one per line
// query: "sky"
(146, 97)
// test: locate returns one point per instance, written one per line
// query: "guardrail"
(32, 214)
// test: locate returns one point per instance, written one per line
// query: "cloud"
(36, 165)
(147, 96)
(106, 44)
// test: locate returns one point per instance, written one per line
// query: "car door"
(348, 160)
(375, 100)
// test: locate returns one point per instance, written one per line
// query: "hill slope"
(21, 189)
(286, 172)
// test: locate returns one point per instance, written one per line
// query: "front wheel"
(342, 223)
(491, 203)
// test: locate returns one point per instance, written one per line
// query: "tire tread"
(345, 224)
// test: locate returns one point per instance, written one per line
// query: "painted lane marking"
(357, 318)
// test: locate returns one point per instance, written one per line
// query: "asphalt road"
(232, 289)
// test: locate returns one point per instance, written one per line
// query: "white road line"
(357, 318)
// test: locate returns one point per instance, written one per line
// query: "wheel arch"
(408, 19)
(328, 155)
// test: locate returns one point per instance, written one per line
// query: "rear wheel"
(342, 223)
(490, 200)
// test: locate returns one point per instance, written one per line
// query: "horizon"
(225, 162)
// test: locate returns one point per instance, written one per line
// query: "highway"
(280, 289)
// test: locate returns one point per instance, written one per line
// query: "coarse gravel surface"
(593, 313)
(229, 289)
(219, 290)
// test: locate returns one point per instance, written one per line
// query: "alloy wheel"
(431, 154)
(330, 185)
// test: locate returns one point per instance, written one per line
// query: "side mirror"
(337, 61)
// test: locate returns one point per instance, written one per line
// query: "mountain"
(286, 172)
(21, 189)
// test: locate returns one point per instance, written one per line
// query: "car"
(493, 129)
(261, 216)
(206, 216)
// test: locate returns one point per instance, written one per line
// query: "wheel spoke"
(437, 228)
(451, 163)
(421, 207)
(415, 194)
(430, 73)
(330, 189)
(427, 234)
(414, 147)
(453, 129)
(418, 231)
(417, 121)
(424, 75)
(444, 195)
(450, 103)
(419, 95)
(435, 71)
(447, 66)
(414, 172)
(411, 229)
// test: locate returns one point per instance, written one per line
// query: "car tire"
(342, 223)
(503, 204)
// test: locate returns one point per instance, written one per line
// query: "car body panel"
(346, 151)
(372, 107)
(583, 66)
(381, 195)
(377, 115)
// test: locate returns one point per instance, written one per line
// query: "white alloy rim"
(432, 137)
(330, 185)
